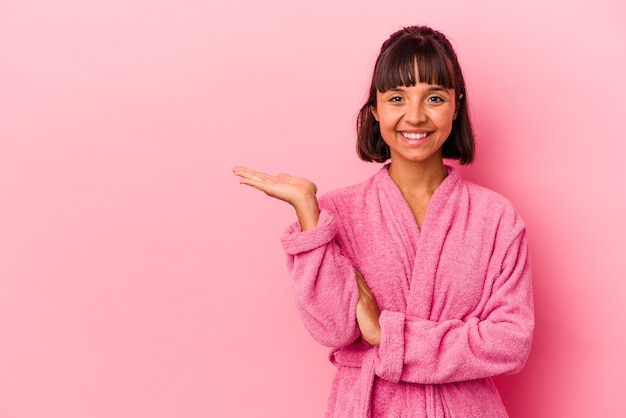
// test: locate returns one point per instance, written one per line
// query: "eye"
(395, 99)
(436, 99)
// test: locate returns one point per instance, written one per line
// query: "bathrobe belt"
(365, 360)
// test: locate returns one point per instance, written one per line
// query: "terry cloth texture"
(455, 297)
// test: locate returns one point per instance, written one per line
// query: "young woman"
(418, 279)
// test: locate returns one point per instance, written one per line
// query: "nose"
(415, 112)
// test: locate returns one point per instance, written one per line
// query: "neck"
(421, 177)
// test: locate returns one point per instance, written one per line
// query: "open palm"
(298, 192)
(281, 186)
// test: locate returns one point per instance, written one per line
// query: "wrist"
(308, 212)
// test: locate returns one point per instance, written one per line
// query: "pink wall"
(137, 279)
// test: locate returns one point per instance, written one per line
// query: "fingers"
(364, 290)
(259, 176)
(360, 282)
(256, 179)
(248, 174)
(367, 313)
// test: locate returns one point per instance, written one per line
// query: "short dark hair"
(438, 64)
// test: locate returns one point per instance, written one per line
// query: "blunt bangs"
(398, 63)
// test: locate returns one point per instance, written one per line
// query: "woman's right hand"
(298, 192)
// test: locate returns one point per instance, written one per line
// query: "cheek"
(387, 119)
(387, 128)
(445, 120)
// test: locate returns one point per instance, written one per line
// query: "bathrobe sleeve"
(323, 281)
(491, 342)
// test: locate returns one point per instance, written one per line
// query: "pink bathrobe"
(455, 297)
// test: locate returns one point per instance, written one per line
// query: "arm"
(322, 276)
(495, 342)
(323, 282)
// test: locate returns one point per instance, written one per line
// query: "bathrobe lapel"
(423, 247)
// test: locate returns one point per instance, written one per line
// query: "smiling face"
(417, 91)
(415, 120)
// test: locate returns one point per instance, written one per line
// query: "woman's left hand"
(367, 313)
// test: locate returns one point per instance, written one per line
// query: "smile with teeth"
(410, 135)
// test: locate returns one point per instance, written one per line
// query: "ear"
(458, 105)
(374, 113)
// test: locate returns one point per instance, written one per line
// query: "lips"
(415, 138)
(414, 135)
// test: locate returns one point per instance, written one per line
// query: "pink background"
(138, 279)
